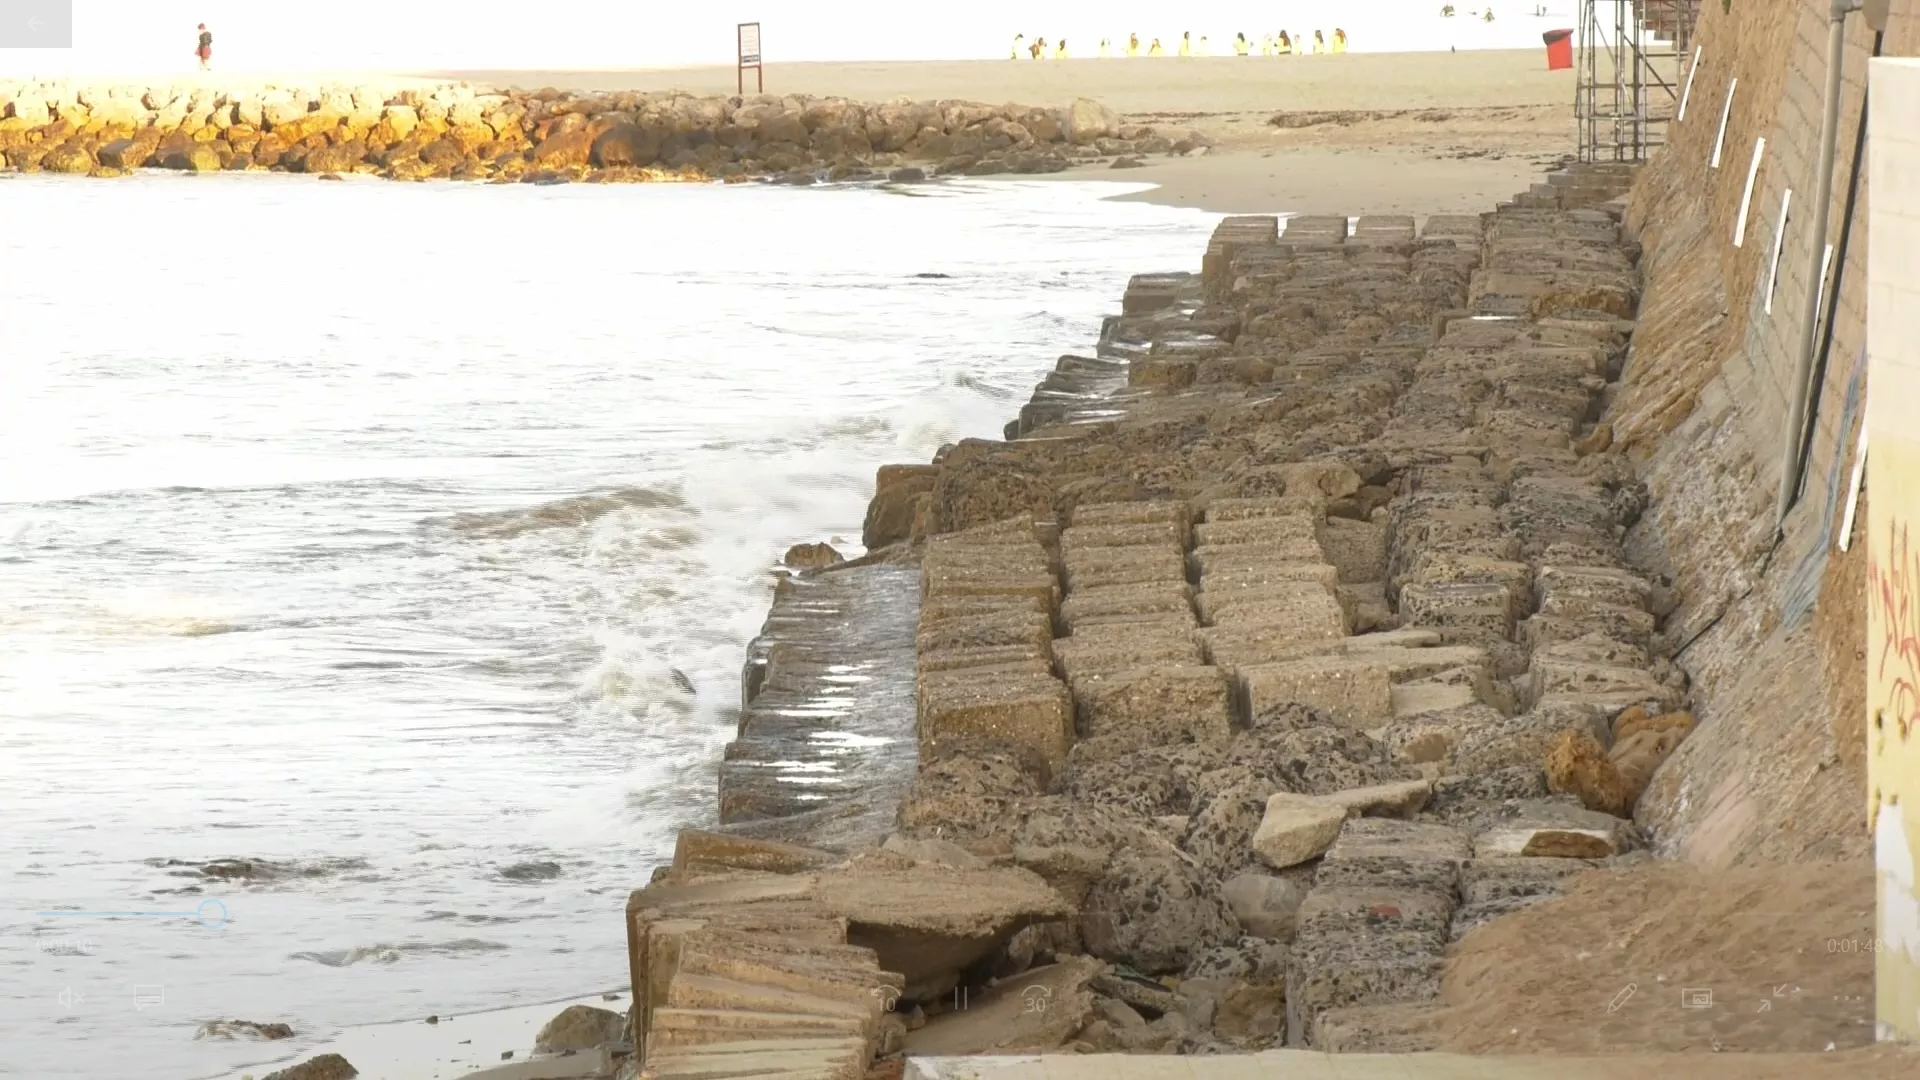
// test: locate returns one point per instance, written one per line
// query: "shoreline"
(1206, 134)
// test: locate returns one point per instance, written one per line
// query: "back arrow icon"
(33, 22)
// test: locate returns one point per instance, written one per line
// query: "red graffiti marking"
(1893, 588)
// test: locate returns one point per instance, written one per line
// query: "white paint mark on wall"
(1820, 297)
(1746, 197)
(1899, 900)
(1853, 489)
(1779, 236)
(1726, 111)
(1687, 91)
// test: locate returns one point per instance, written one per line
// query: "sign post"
(749, 58)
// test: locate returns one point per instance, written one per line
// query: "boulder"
(1036, 1011)
(1088, 121)
(563, 150)
(31, 111)
(68, 158)
(579, 1027)
(191, 157)
(626, 144)
(810, 556)
(1153, 912)
(1578, 765)
(324, 1067)
(1297, 828)
(1266, 905)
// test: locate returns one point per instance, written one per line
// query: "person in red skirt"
(205, 49)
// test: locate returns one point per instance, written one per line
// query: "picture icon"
(1699, 998)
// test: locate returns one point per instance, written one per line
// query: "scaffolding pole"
(1632, 57)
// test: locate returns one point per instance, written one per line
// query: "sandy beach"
(1415, 133)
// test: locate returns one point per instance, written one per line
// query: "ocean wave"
(251, 871)
(393, 954)
(572, 511)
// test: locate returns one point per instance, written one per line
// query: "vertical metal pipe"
(1790, 458)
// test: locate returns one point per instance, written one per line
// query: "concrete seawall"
(1289, 636)
(459, 132)
(1773, 634)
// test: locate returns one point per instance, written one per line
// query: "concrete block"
(1032, 713)
(1156, 705)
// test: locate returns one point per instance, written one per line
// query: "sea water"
(371, 535)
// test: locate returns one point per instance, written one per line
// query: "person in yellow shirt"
(1319, 43)
(1284, 46)
(1266, 44)
(1156, 50)
(1186, 43)
(1019, 45)
(1106, 48)
(1038, 50)
(1240, 45)
(1133, 44)
(1203, 50)
(1339, 40)
(1060, 52)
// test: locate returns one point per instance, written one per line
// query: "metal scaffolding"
(1632, 57)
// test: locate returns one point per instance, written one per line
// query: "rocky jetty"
(457, 131)
(1283, 641)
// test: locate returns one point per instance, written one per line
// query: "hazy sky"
(151, 36)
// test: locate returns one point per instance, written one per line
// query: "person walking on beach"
(1038, 48)
(1133, 44)
(1019, 45)
(1156, 50)
(204, 50)
(1186, 43)
(1240, 45)
(1319, 43)
(1106, 48)
(1339, 40)
(1203, 50)
(1285, 45)
(1060, 53)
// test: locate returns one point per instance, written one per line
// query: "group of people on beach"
(1281, 44)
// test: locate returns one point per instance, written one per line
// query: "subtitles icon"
(1700, 998)
(148, 996)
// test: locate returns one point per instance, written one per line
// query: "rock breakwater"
(1246, 672)
(457, 131)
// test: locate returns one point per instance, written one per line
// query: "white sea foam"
(470, 473)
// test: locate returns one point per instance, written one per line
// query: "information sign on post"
(750, 58)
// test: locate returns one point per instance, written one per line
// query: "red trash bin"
(1559, 49)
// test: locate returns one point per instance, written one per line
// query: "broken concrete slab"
(1039, 1010)
(1296, 828)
